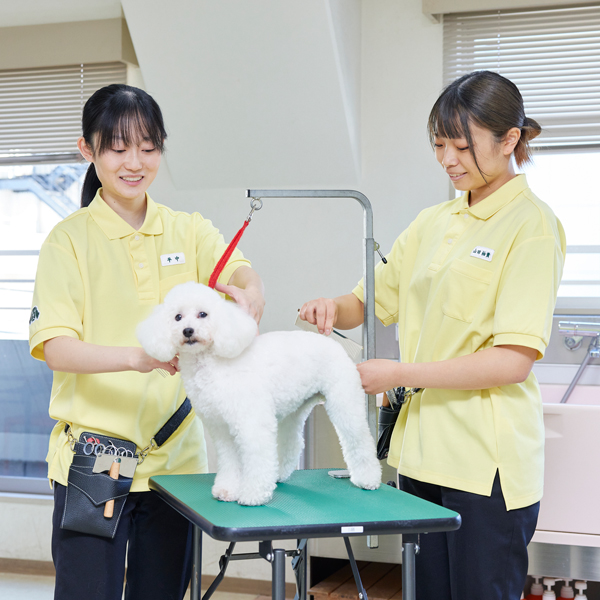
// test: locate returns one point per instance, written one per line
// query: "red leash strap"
(256, 204)
(226, 256)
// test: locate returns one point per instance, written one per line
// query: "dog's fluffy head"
(195, 319)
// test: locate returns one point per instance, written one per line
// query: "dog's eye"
(178, 317)
(202, 315)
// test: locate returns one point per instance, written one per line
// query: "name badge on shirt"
(177, 258)
(484, 253)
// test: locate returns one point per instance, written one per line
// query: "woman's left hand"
(378, 375)
(250, 299)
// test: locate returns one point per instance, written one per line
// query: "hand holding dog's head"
(195, 319)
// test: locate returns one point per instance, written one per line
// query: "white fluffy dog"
(254, 393)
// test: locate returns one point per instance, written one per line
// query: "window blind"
(552, 55)
(40, 109)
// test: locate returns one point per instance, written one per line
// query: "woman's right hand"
(322, 312)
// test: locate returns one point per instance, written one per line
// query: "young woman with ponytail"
(472, 284)
(101, 271)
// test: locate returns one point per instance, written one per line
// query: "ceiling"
(255, 94)
(36, 12)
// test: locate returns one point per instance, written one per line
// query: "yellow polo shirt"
(97, 278)
(460, 280)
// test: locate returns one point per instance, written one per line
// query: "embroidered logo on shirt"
(177, 258)
(35, 314)
(484, 253)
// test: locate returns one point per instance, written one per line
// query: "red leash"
(256, 204)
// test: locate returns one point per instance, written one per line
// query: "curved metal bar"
(368, 269)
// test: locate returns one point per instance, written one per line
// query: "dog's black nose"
(188, 332)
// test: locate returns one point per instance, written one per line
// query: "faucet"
(575, 332)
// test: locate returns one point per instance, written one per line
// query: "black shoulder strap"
(169, 428)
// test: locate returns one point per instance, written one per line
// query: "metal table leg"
(362, 594)
(299, 565)
(278, 570)
(410, 548)
(196, 591)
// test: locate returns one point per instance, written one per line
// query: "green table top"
(310, 504)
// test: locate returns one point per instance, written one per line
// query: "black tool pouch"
(88, 492)
(387, 420)
(388, 415)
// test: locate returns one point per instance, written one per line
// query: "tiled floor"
(27, 587)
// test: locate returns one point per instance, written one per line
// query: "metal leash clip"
(72, 439)
(143, 453)
(255, 204)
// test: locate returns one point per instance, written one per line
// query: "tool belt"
(388, 415)
(101, 475)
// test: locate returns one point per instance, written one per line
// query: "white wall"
(304, 249)
(361, 109)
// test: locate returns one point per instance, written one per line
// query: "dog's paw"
(367, 479)
(224, 495)
(255, 499)
(367, 485)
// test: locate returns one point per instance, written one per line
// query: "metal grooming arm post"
(368, 274)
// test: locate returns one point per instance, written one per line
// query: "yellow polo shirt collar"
(494, 202)
(114, 227)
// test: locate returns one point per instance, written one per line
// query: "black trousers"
(485, 558)
(155, 538)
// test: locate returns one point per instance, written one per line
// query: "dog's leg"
(228, 479)
(290, 438)
(256, 443)
(345, 406)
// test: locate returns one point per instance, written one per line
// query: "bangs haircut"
(450, 117)
(488, 100)
(118, 113)
(125, 114)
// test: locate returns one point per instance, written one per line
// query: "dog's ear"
(235, 330)
(154, 334)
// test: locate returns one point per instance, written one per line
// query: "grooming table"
(311, 504)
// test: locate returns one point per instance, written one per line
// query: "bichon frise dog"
(254, 393)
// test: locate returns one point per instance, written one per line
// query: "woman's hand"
(322, 312)
(343, 312)
(246, 289)
(144, 363)
(250, 299)
(379, 375)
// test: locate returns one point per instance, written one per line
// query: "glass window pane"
(566, 181)
(33, 199)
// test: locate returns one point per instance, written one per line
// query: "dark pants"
(485, 558)
(158, 557)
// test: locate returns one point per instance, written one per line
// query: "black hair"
(488, 100)
(118, 112)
